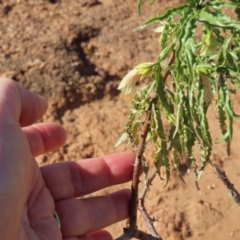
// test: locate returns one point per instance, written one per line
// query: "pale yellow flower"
(129, 81)
(138, 73)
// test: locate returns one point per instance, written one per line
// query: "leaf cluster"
(201, 74)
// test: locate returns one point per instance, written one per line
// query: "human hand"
(29, 195)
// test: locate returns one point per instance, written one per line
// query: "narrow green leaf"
(139, 7)
(224, 137)
(166, 52)
(226, 4)
(161, 91)
(159, 140)
(173, 11)
(218, 20)
(122, 139)
(204, 68)
(223, 52)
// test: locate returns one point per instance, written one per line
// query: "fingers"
(18, 103)
(44, 137)
(98, 235)
(82, 216)
(74, 179)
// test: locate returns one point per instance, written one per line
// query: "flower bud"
(128, 82)
(138, 73)
(144, 69)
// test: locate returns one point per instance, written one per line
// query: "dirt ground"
(74, 53)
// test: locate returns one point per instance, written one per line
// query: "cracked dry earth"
(74, 53)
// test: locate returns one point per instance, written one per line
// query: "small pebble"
(211, 186)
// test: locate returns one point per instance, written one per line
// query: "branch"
(132, 231)
(148, 183)
(223, 177)
(133, 206)
(149, 221)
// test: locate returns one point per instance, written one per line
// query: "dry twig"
(223, 177)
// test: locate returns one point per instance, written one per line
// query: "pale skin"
(29, 195)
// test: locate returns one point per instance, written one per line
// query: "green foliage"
(200, 75)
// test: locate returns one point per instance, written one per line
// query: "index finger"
(17, 103)
(74, 179)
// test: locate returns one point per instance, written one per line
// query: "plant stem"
(223, 177)
(132, 230)
(146, 186)
(149, 221)
(133, 206)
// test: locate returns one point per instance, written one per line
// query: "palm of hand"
(38, 220)
(31, 195)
